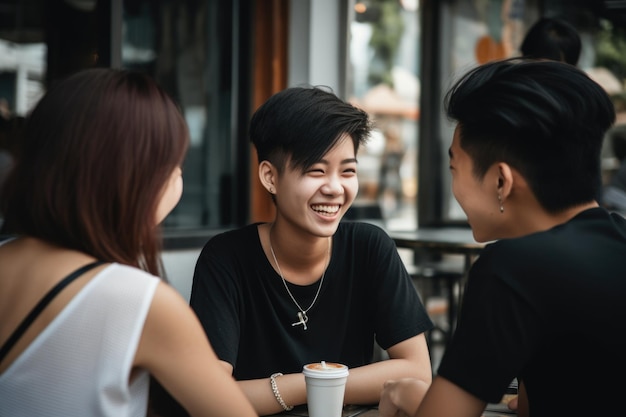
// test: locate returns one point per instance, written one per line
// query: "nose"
(333, 185)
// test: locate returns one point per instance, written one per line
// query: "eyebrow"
(450, 154)
(345, 161)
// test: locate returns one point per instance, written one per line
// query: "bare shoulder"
(168, 305)
(170, 325)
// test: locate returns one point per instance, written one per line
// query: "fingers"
(389, 383)
(386, 406)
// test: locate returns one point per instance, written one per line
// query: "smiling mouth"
(325, 209)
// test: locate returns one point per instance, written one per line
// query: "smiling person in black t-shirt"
(307, 287)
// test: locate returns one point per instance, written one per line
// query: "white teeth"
(325, 209)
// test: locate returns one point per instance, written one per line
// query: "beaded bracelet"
(277, 393)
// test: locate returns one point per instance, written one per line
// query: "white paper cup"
(325, 386)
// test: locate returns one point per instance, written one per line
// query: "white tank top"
(80, 364)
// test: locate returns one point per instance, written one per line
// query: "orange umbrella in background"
(488, 49)
(383, 101)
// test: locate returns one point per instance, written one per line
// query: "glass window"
(22, 71)
(22, 57)
(383, 79)
(188, 47)
(198, 50)
(475, 32)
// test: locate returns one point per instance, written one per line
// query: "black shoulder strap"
(41, 305)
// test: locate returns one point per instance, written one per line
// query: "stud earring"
(271, 190)
(501, 205)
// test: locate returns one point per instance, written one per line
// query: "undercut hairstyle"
(301, 124)
(95, 156)
(546, 119)
(551, 38)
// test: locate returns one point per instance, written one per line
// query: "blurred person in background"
(551, 38)
(10, 127)
(389, 176)
(614, 193)
(6, 156)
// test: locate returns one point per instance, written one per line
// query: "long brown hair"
(96, 154)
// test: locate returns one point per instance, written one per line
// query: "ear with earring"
(500, 185)
(267, 176)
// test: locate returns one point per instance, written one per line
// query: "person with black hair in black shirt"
(307, 287)
(544, 301)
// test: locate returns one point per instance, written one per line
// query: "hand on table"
(402, 397)
(512, 404)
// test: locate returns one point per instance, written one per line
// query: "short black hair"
(546, 119)
(303, 124)
(552, 38)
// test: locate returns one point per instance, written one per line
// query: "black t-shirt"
(549, 309)
(248, 315)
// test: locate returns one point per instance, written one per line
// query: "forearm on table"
(363, 387)
(291, 387)
(365, 383)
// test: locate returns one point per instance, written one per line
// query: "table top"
(444, 239)
(348, 411)
(493, 410)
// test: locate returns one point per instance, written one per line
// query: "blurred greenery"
(611, 49)
(387, 31)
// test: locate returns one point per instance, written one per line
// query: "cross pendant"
(302, 319)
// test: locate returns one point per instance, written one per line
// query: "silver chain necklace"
(302, 317)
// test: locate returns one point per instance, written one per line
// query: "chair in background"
(438, 283)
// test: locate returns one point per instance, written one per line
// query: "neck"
(539, 220)
(301, 262)
(300, 248)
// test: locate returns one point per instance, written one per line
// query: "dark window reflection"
(186, 46)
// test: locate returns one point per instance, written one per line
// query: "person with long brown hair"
(98, 168)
